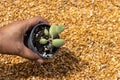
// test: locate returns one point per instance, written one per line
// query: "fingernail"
(40, 61)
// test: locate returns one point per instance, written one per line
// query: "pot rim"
(30, 40)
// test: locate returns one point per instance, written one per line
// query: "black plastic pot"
(29, 41)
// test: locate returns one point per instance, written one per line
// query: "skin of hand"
(12, 37)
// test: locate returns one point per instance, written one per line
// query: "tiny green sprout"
(50, 45)
(57, 42)
(46, 32)
(59, 29)
(43, 41)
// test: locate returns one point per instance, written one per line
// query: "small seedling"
(53, 32)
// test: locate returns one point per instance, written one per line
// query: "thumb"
(34, 21)
(29, 54)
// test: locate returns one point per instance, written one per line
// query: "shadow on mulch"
(64, 64)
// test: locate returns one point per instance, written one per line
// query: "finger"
(33, 21)
(31, 55)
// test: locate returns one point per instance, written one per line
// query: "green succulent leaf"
(57, 42)
(52, 30)
(46, 32)
(43, 41)
(59, 29)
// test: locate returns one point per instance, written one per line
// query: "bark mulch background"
(92, 36)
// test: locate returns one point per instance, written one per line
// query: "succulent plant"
(53, 32)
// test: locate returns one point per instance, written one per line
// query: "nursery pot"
(32, 38)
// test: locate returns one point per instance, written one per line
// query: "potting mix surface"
(92, 40)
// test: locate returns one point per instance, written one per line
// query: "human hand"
(12, 38)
